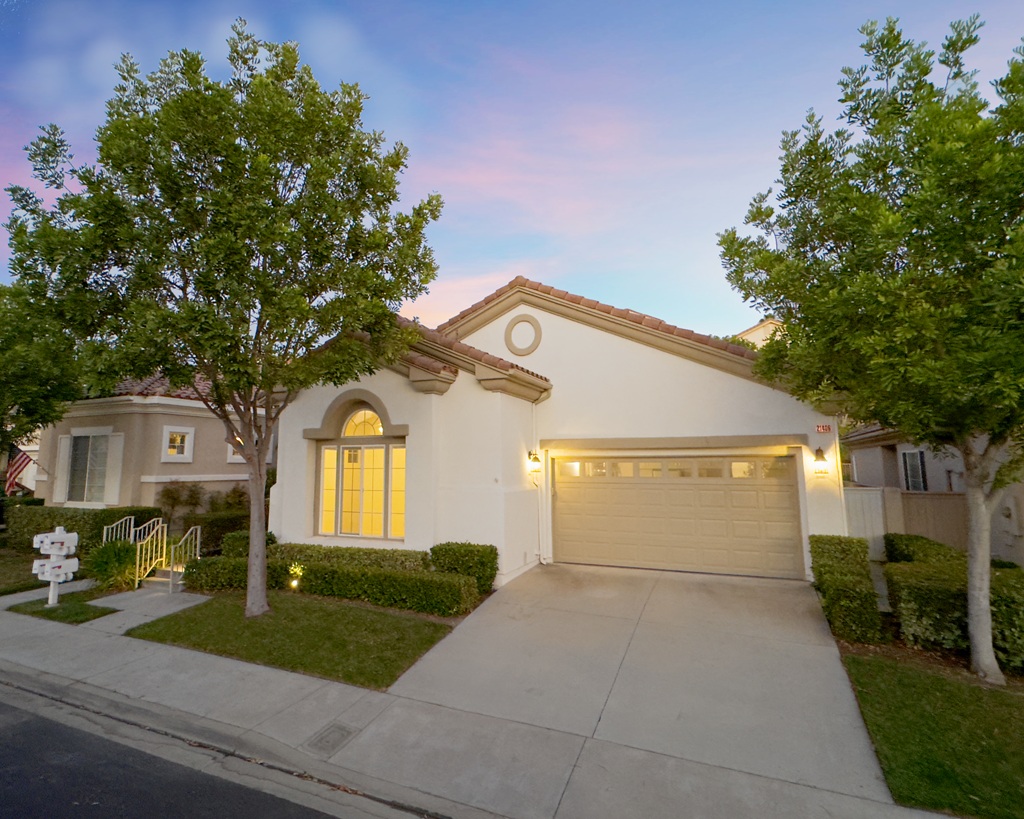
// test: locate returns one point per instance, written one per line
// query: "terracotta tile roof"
(435, 337)
(641, 319)
(159, 385)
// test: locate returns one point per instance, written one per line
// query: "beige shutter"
(112, 480)
(60, 483)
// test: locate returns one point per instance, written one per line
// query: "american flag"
(16, 464)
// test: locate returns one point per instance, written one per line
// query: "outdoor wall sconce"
(533, 461)
(820, 462)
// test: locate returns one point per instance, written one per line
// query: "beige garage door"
(728, 515)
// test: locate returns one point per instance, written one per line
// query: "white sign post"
(60, 566)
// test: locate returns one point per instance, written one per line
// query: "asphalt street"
(51, 770)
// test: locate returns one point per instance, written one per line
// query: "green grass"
(16, 571)
(324, 637)
(945, 741)
(71, 608)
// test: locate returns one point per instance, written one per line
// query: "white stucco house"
(561, 429)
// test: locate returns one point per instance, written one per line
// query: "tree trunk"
(256, 585)
(979, 573)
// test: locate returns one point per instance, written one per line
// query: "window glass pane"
(351, 491)
(398, 491)
(373, 492)
(650, 469)
(176, 443)
(775, 467)
(709, 469)
(78, 468)
(363, 422)
(622, 469)
(96, 473)
(567, 469)
(913, 466)
(595, 469)
(743, 469)
(329, 491)
(679, 469)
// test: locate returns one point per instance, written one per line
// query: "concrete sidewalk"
(369, 753)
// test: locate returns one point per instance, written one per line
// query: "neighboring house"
(759, 334)
(121, 450)
(924, 493)
(561, 429)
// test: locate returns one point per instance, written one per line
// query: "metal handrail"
(150, 552)
(185, 550)
(124, 529)
(146, 529)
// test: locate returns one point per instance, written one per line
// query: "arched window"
(362, 480)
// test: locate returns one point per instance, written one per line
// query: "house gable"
(628, 324)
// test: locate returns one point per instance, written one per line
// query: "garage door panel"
(734, 515)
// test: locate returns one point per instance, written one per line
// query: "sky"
(598, 147)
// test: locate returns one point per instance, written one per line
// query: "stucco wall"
(141, 420)
(466, 476)
(607, 386)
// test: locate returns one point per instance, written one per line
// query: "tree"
(240, 236)
(894, 255)
(38, 369)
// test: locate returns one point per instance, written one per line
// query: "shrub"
(112, 565)
(472, 559)
(427, 592)
(216, 525)
(918, 549)
(407, 560)
(930, 600)
(842, 576)
(224, 573)
(236, 544)
(28, 521)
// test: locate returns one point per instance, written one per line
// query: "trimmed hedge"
(236, 544)
(428, 592)
(919, 549)
(225, 573)
(24, 522)
(929, 596)
(930, 602)
(842, 576)
(472, 559)
(406, 560)
(216, 525)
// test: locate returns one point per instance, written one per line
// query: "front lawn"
(72, 607)
(16, 570)
(945, 740)
(325, 637)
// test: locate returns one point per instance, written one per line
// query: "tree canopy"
(38, 370)
(242, 236)
(893, 252)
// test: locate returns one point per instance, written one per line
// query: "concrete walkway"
(572, 692)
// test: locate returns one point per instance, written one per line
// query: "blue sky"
(597, 147)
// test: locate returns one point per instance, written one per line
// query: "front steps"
(161, 579)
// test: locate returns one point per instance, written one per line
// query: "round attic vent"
(522, 335)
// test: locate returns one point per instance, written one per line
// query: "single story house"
(922, 493)
(562, 429)
(122, 449)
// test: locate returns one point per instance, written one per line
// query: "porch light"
(533, 462)
(820, 462)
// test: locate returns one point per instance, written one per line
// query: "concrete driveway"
(740, 674)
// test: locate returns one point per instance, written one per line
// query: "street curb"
(232, 748)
